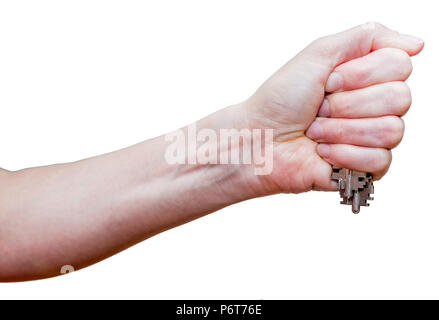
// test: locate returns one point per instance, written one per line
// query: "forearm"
(79, 213)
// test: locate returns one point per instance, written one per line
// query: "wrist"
(216, 157)
(241, 147)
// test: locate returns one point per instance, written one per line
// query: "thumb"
(333, 50)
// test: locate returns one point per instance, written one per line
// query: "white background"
(80, 78)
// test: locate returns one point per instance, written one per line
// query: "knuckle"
(332, 131)
(382, 160)
(372, 25)
(362, 73)
(378, 25)
(339, 133)
(392, 131)
(382, 163)
(339, 104)
(403, 97)
(403, 62)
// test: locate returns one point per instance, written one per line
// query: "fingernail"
(323, 150)
(324, 109)
(335, 82)
(314, 131)
(412, 39)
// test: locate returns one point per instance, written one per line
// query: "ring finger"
(383, 132)
(391, 98)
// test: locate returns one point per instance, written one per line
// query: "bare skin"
(80, 213)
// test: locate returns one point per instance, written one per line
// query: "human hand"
(357, 122)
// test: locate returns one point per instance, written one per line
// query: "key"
(355, 187)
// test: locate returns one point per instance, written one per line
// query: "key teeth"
(357, 182)
(341, 184)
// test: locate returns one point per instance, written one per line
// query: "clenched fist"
(338, 102)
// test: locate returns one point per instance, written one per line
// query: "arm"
(82, 212)
(79, 213)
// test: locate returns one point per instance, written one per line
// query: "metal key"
(355, 187)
